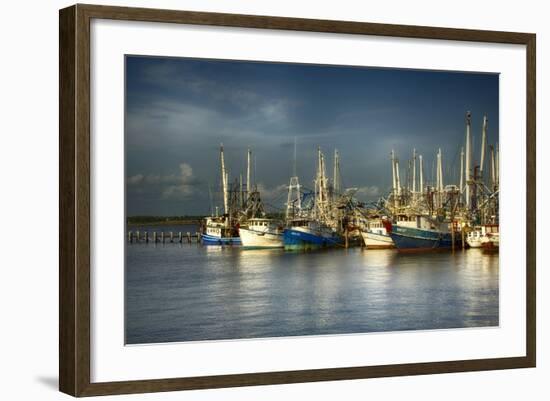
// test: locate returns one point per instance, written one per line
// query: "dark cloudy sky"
(179, 110)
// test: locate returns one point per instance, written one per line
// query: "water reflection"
(190, 292)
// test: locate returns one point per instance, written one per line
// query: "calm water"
(182, 292)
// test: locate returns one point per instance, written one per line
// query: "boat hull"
(377, 241)
(414, 239)
(474, 243)
(207, 239)
(491, 244)
(258, 239)
(303, 240)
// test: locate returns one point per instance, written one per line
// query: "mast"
(294, 186)
(414, 171)
(224, 181)
(467, 172)
(461, 170)
(227, 192)
(440, 171)
(409, 162)
(248, 154)
(324, 177)
(394, 180)
(493, 168)
(421, 167)
(437, 179)
(398, 182)
(321, 186)
(497, 170)
(318, 195)
(483, 144)
(241, 193)
(336, 178)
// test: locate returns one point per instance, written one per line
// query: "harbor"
(423, 257)
(419, 214)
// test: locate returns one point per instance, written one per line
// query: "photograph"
(277, 199)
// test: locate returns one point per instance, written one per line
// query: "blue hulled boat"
(217, 232)
(422, 233)
(306, 234)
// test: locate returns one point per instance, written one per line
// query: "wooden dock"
(163, 237)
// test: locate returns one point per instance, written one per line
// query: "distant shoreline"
(164, 222)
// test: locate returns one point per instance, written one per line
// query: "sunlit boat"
(486, 236)
(218, 232)
(221, 230)
(261, 233)
(375, 236)
(307, 234)
(421, 233)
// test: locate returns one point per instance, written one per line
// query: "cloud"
(136, 179)
(171, 186)
(185, 185)
(368, 191)
(214, 91)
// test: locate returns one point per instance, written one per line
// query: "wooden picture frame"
(74, 203)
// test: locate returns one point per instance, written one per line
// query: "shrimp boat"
(421, 233)
(308, 234)
(486, 236)
(312, 229)
(221, 230)
(375, 236)
(261, 233)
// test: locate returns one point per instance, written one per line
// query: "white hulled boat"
(261, 233)
(221, 230)
(486, 236)
(376, 236)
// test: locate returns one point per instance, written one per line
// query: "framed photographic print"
(250, 200)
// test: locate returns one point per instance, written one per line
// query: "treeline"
(166, 220)
(163, 219)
